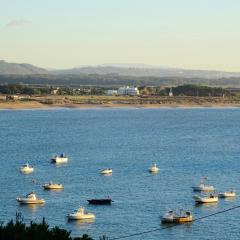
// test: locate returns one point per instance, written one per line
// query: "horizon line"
(124, 65)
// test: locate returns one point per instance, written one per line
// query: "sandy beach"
(38, 105)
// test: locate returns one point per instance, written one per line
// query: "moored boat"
(101, 201)
(203, 187)
(231, 193)
(26, 168)
(30, 198)
(62, 158)
(178, 216)
(206, 199)
(80, 214)
(53, 186)
(153, 168)
(106, 171)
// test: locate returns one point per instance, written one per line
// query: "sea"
(187, 144)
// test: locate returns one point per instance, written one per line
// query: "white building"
(170, 93)
(126, 90)
(55, 91)
(112, 92)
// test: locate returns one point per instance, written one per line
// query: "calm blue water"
(185, 143)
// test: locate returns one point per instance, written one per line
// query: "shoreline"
(37, 105)
(105, 102)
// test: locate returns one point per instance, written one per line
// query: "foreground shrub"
(35, 231)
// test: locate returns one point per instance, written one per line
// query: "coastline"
(37, 105)
(90, 102)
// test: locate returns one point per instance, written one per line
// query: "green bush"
(35, 231)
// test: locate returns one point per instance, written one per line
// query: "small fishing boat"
(178, 216)
(153, 168)
(203, 187)
(80, 214)
(26, 168)
(107, 171)
(206, 199)
(101, 201)
(52, 186)
(30, 198)
(62, 158)
(231, 193)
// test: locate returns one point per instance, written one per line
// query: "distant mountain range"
(20, 69)
(147, 72)
(131, 70)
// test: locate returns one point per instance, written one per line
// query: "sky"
(195, 34)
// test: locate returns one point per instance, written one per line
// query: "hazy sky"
(203, 34)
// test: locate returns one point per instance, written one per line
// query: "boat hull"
(83, 217)
(177, 220)
(26, 171)
(53, 187)
(100, 201)
(59, 160)
(30, 201)
(203, 189)
(205, 199)
(227, 194)
(153, 170)
(106, 172)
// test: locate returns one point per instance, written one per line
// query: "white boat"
(106, 171)
(31, 198)
(206, 199)
(52, 186)
(203, 187)
(80, 214)
(62, 158)
(26, 168)
(178, 216)
(231, 193)
(153, 168)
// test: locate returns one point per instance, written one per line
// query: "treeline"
(46, 90)
(23, 89)
(90, 90)
(200, 91)
(35, 231)
(183, 90)
(113, 80)
(186, 90)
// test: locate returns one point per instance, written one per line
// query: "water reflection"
(229, 199)
(31, 207)
(106, 174)
(208, 205)
(81, 223)
(26, 173)
(59, 165)
(54, 190)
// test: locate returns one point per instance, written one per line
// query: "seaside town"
(119, 120)
(31, 96)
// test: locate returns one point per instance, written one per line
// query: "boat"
(203, 187)
(26, 168)
(62, 158)
(101, 201)
(153, 168)
(80, 214)
(206, 199)
(178, 216)
(231, 193)
(51, 185)
(30, 198)
(106, 171)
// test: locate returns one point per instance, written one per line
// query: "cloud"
(18, 22)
